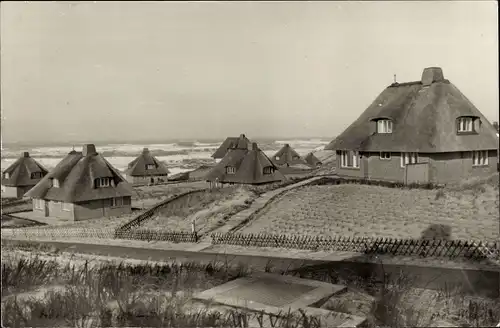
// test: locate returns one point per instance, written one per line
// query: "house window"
(103, 182)
(408, 158)
(6, 175)
(39, 203)
(277, 158)
(465, 124)
(385, 155)
(55, 183)
(480, 158)
(150, 167)
(349, 159)
(36, 175)
(268, 170)
(230, 170)
(66, 207)
(384, 126)
(115, 202)
(295, 158)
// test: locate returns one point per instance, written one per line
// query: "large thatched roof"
(240, 142)
(287, 155)
(249, 165)
(424, 115)
(20, 172)
(312, 160)
(137, 168)
(76, 174)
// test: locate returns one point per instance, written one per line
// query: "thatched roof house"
(422, 131)
(312, 160)
(146, 169)
(241, 142)
(245, 166)
(83, 185)
(21, 176)
(287, 156)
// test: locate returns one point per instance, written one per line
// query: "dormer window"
(230, 170)
(465, 124)
(103, 182)
(295, 158)
(36, 175)
(277, 158)
(384, 126)
(6, 175)
(55, 183)
(268, 170)
(150, 167)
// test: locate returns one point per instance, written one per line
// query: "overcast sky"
(87, 71)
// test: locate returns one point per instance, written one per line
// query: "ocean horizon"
(180, 155)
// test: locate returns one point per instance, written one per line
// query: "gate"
(417, 173)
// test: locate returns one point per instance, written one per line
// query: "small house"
(313, 160)
(287, 156)
(245, 166)
(146, 169)
(21, 176)
(424, 131)
(231, 143)
(84, 185)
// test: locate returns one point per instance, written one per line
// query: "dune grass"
(469, 212)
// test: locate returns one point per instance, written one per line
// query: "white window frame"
(55, 183)
(465, 124)
(6, 175)
(345, 155)
(66, 207)
(408, 158)
(230, 170)
(267, 170)
(116, 202)
(150, 167)
(104, 182)
(277, 158)
(384, 126)
(384, 155)
(480, 158)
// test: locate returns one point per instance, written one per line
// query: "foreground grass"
(159, 295)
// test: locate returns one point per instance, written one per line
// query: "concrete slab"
(277, 294)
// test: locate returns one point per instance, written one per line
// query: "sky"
(87, 71)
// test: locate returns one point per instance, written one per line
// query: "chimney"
(242, 136)
(254, 146)
(26, 154)
(145, 150)
(89, 150)
(287, 145)
(431, 75)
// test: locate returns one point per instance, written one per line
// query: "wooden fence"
(411, 247)
(58, 232)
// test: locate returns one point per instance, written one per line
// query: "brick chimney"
(254, 146)
(145, 150)
(26, 154)
(89, 150)
(287, 145)
(431, 75)
(242, 135)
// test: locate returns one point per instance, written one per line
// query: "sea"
(178, 155)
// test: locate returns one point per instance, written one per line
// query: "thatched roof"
(76, 174)
(137, 168)
(287, 155)
(312, 160)
(249, 165)
(240, 142)
(424, 115)
(20, 172)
